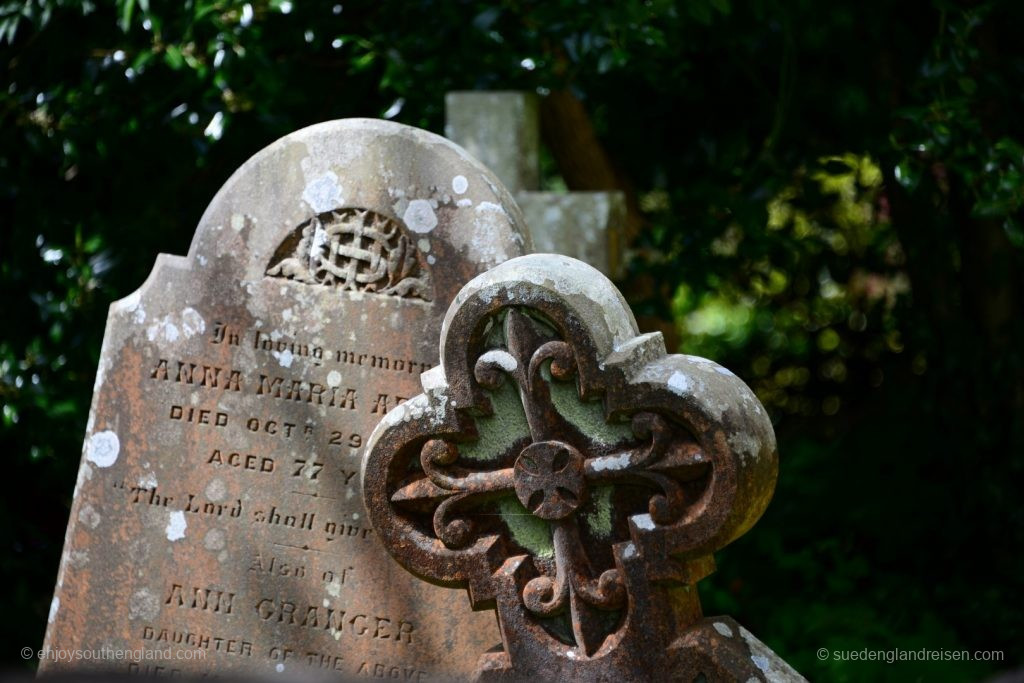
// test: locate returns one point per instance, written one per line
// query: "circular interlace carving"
(549, 479)
(353, 249)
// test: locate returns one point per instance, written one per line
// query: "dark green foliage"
(833, 200)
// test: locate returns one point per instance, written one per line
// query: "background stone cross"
(501, 129)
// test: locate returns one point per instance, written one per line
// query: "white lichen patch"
(173, 327)
(176, 525)
(320, 239)
(679, 383)
(54, 606)
(503, 359)
(191, 322)
(78, 558)
(143, 605)
(745, 445)
(284, 358)
(215, 539)
(323, 193)
(460, 184)
(610, 463)
(423, 244)
(88, 516)
(490, 222)
(419, 216)
(412, 409)
(723, 628)
(102, 448)
(334, 378)
(434, 379)
(644, 522)
(131, 305)
(775, 670)
(438, 408)
(237, 222)
(148, 480)
(724, 371)
(216, 490)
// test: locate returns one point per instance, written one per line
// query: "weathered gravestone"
(502, 130)
(217, 506)
(571, 474)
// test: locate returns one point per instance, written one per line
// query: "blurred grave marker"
(501, 129)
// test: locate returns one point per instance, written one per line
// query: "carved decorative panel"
(354, 250)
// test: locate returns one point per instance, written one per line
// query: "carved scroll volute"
(569, 472)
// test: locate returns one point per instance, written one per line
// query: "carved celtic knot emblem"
(355, 250)
(566, 469)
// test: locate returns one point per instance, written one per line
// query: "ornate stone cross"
(575, 477)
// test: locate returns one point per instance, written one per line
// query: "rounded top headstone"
(358, 180)
(216, 505)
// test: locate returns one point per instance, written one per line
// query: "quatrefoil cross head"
(576, 478)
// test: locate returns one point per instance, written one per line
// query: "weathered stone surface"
(217, 505)
(502, 130)
(585, 225)
(569, 472)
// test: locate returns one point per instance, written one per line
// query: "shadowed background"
(824, 197)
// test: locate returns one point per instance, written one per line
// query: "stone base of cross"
(502, 130)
